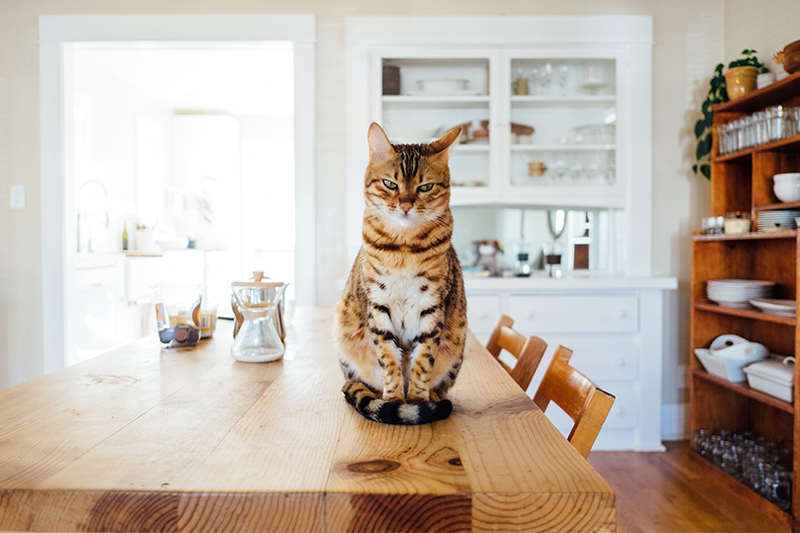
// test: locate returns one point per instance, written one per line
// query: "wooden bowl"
(791, 57)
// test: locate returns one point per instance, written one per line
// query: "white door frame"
(58, 31)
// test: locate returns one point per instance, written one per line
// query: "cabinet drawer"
(599, 357)
(536, 315)
(482, 313)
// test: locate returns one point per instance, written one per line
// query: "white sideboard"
(614, 327)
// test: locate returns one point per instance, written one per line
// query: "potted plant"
(740, 78)
(718, 92)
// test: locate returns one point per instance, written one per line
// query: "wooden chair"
(581, 399)
(527, 350)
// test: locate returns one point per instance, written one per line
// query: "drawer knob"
(620, 411)
(530, 315)
(484, 315)
(621, 313)
(619, 361)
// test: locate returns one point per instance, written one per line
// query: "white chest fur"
(406, 295)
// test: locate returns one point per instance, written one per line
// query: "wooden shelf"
(772, 94)
(752, 236)
(777, 207)
(745, 313)
(787, 144)
(742, 181)
(756, 500)
(745, 390)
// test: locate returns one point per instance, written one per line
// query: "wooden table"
(145, 439)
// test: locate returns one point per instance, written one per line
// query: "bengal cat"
(401, 323)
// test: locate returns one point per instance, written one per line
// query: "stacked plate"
(784, 219)
(776, 307)
(738, 292)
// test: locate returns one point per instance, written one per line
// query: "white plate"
(464, 92)
(776, 307)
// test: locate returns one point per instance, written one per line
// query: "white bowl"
(723, 367)
(443, 85)
(787, 186)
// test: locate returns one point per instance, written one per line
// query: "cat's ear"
(379, 146)
(442, 144)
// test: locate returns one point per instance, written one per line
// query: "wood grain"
(145, 439)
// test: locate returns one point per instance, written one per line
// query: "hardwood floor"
(662, 492)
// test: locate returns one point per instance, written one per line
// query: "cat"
(401, 323)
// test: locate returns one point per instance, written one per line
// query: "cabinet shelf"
(573, 101)
(745, 313)
(744, 390)
(756, 500)
(772, 94)
(776, 207)
(436, 102)
(788, 144)
(751, 236)
(561, 147)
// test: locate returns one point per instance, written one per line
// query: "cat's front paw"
(392, 396)
(418, 397)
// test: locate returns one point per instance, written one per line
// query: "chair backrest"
(582, 400)
(527, 350)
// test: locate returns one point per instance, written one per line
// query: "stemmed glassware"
(545, 76)
(561, 73)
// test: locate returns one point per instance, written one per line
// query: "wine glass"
(562, 73)
(534, 77)
(545, 76)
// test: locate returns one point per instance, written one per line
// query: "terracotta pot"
(740, 81)
(791, 57)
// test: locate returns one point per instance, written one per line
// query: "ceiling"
(220, 78)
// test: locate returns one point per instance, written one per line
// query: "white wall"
(688, 43)
(766, 26)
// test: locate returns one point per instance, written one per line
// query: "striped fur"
(401, 323)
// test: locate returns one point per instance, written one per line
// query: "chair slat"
(585, 403)
(528, 351)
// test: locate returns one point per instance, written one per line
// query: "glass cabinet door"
(426, 93)
(563, 142)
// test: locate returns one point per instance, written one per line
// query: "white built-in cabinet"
(589, 102)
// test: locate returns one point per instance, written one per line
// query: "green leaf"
(694, 169)
(706, 170)
(699, 128)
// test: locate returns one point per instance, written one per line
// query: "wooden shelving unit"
(742, 181)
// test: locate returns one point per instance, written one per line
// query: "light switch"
(17, 197)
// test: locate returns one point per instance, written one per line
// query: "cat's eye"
(390, 184)
(425, 188)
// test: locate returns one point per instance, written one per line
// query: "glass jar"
(698, 441)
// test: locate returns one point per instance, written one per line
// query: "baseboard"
(675, 421)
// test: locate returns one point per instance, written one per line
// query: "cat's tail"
(370, 405)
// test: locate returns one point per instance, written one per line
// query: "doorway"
(190, 167)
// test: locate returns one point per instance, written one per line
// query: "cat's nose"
(406, 206)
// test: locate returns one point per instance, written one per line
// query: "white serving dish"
(787, 186)
(773, 377)
(723, 367)
(400, 135)
(443, 85)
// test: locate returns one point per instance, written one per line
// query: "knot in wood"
(373, 467)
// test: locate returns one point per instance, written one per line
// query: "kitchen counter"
(572, 282)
